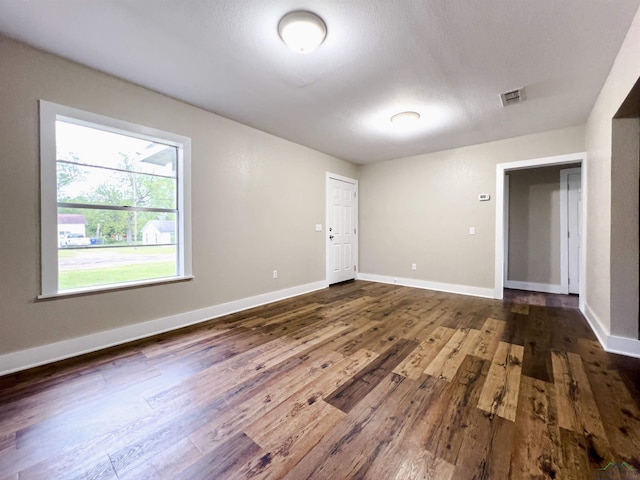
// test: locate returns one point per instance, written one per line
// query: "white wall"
(256, 199)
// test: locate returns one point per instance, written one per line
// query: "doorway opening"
(527, 275)
(542, 229)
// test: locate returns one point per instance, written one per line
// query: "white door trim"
(501, 168)
(564, 226)
(327, 261)
(505, 233)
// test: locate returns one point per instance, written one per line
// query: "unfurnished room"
(332, 239)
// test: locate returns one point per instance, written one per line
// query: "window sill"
(76, 292)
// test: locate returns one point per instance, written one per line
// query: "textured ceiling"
(447, 59)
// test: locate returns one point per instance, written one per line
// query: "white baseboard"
(611, 343)
(535, 287)
(624, 346)
(595, 324)
(427, 285)
(33, 357)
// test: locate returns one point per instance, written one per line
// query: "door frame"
(501, 169)
(327, 249)
(564, 225)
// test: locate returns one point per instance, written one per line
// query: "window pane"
(91, 146)
(99, 247)
(98, 186)
(95, 227)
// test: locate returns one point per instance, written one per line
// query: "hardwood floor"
(361, 380)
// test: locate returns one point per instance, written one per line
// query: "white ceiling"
(447, 59)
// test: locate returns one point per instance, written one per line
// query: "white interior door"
(574, 220)
(341, 231)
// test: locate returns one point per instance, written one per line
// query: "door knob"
(330, 237)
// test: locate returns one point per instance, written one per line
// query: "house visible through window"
(114, 202)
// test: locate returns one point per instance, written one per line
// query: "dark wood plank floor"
(361, 380)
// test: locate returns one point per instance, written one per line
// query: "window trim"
(49, 113)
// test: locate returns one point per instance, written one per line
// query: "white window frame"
(49, 114)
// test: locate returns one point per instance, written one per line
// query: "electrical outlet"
(414, 266)
(275, 274)
(472, 230)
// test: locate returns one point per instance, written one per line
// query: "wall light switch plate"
(472, 230)
(318, 227)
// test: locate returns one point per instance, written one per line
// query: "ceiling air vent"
(514, 96)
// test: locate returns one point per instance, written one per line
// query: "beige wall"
(601, 295)
(534, 225)
(256, 199)
(419, 209)
(624, 227)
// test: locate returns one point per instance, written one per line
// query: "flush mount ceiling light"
(302, 31)
(405, 118)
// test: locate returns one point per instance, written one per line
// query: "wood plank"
(222, 461)
(536, 362)
(96, 466)
(418, 464)
(171, 461)
(486, 449)
(347, 448)
(228, 374)
(368, 334)
(167, 344)
(348, 340)
(177, 424)
(537, 449)
(22, 412)
(449, 417)
(288, 420)
(568, 325)
(240, 410)
(447, 362)
(417, 361)
(515, 327)
(490, 334)
(300, 430)
(618, 410)
(520, 308)
(577, 409)
(499, 395)
(7, 440)
(404, 451)
(579, 457)
(348, 395)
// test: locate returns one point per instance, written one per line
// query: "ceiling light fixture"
(302, 31)
(405, 118)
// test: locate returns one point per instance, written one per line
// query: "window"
(114, 203)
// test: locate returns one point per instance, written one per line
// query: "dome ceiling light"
(405, 118)
(301, 31)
